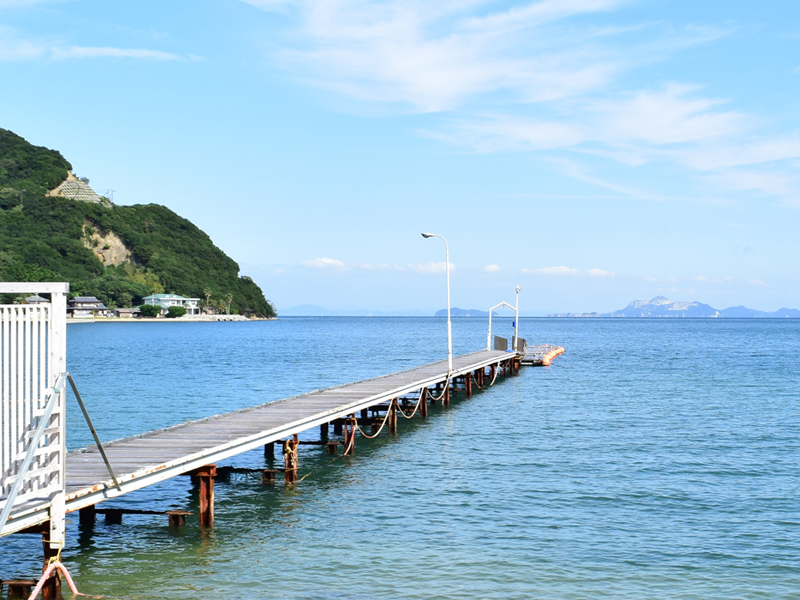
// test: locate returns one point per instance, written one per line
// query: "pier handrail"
(94, 433)
(44, 421)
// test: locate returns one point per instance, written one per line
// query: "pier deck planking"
(159, 455)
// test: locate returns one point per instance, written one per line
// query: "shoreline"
(225, 319)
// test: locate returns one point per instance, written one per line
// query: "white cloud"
(436, 55)
(430, 268)
(552, 271)
(599, 273)
(324, 263)
(15, 47)
(536, 76)
(491, 269)
(665, 116)
(106, 52)
(757, 283)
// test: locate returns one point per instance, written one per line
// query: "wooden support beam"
(268, 475)
(205, 479)
(269, 449)
(331, 447)
(337, 427)
(323, 431)
(423, 403)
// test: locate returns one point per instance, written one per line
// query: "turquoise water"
(655, 459)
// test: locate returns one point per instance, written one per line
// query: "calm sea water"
(655, 459)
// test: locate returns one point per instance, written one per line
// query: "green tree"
(174, 312)
(150, 310)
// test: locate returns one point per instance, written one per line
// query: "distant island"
(663, 307)
(461, 312)
(54, 227)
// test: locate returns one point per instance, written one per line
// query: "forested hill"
(117, 253)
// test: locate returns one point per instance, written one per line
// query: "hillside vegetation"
(45, 238)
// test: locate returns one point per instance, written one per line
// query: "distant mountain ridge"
(663, 307)
(464, 312)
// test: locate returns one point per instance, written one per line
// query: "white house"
(192, 305)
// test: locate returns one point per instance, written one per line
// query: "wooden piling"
(468, 384)
(269, 450)
(323, 431)
(423, 402)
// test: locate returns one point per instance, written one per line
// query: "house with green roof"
(192, 305)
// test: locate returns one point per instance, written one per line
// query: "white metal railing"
(32, 408)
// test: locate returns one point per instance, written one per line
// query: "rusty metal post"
(19, 588)
(393, 416)
(350, 436)
(52, 587)
(290, 459)
(468, 384)
(268, 476)
(177, 518)
(446, 397)
(87, 516)
(330, 447)
(423, 402)
(205, 479)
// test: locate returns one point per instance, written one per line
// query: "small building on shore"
(87, 307)
(127, 313)
(36, 299)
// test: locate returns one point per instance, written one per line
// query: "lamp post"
(516, 321)
(449, 327)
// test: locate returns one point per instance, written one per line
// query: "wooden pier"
(195, 447)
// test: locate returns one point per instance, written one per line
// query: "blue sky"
(592, 151)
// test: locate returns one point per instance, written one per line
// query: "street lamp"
(516, 321)
(449, 327)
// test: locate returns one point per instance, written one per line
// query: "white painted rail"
(32, 409)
